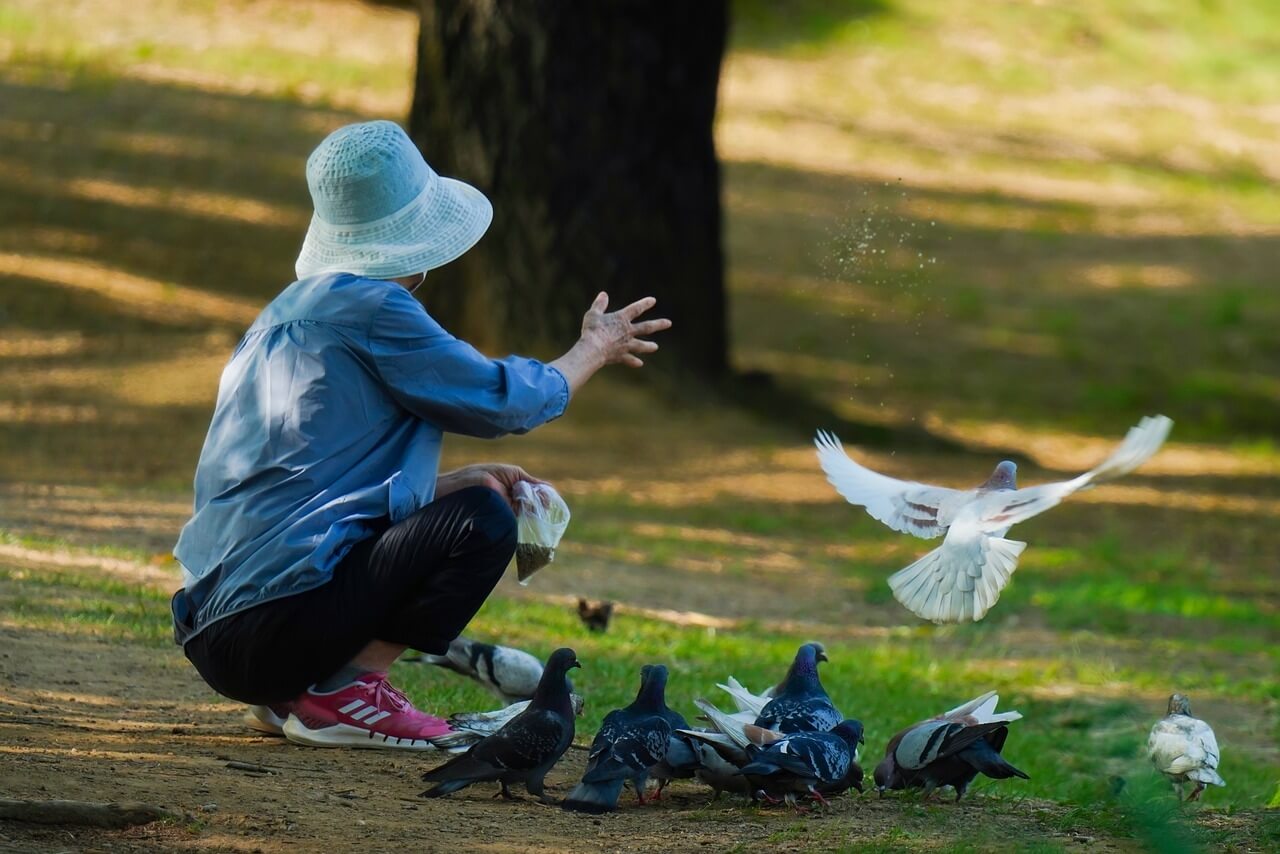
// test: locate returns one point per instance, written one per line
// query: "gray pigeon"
(808, 763)
(471, 727)
(949, 750)
(526, 748)
(962, 579)
(630, 742)
(511, 674)
(802, 704)
(725, 748)
(682, 759)
(1185, 749)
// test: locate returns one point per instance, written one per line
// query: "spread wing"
(903, 505)
(961, 579)
(997, 511)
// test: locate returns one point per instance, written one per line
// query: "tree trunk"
(588, 123)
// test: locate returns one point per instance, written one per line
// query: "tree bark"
(588, 123)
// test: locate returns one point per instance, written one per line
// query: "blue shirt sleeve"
(451, 384)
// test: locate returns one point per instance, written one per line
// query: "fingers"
(600, 303)
(637, 308)
(637, 345)
(631, 361)
(648, 327)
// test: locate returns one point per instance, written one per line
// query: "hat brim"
(438, 226)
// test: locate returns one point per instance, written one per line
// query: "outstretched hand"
(610, 338)
(616, 336)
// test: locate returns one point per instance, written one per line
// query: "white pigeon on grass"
(1185, 749)
(962, 579)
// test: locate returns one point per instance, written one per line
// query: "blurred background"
(949, 232)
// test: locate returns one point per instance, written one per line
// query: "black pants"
(419, 583)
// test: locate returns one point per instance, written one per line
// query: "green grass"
(1070, 747)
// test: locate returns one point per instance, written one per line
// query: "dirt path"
(84, 719)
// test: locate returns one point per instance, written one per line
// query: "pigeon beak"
(821, 656)
(575, 663)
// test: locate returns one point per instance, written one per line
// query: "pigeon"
(950, 750)
(682, 758)
(526, 748)
(1184, 749)
(470, 727)
(723, 750)
(802, 704)
(595, 617)
(511, 674)
(962, 579)
(630, 742)
(808, 762)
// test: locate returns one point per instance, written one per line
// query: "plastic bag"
(541, 519)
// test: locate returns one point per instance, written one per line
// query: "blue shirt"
(329, 422)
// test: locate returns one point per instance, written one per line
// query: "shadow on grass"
(177, 187)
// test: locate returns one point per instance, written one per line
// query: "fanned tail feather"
(726, 724)
(743, 698)
(594, 798)
(983, 710)
(942, 587)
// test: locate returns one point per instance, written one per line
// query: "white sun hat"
(381, 211)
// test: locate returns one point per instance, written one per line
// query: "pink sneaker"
(268, 720)
(367, 713)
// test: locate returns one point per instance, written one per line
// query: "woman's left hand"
(500, 477)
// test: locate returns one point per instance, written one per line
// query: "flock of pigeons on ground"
(791, 742)
(787, 744)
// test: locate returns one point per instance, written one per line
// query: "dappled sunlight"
(155, 300)
(27, 345)
(1181, 499)
(56, 561)
(815, 146)
(813, 367)
(1064, 451)
(178, 379)
(190, 201)
(945, 240)
(1137, 276)
(46, 414)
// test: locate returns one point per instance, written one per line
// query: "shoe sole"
(263, 725)
(345, 735)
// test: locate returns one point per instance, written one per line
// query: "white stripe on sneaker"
(364, 713)
(373, 719)
(352, 706)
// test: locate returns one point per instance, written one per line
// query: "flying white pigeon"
(962, 579)
(1184, 749)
